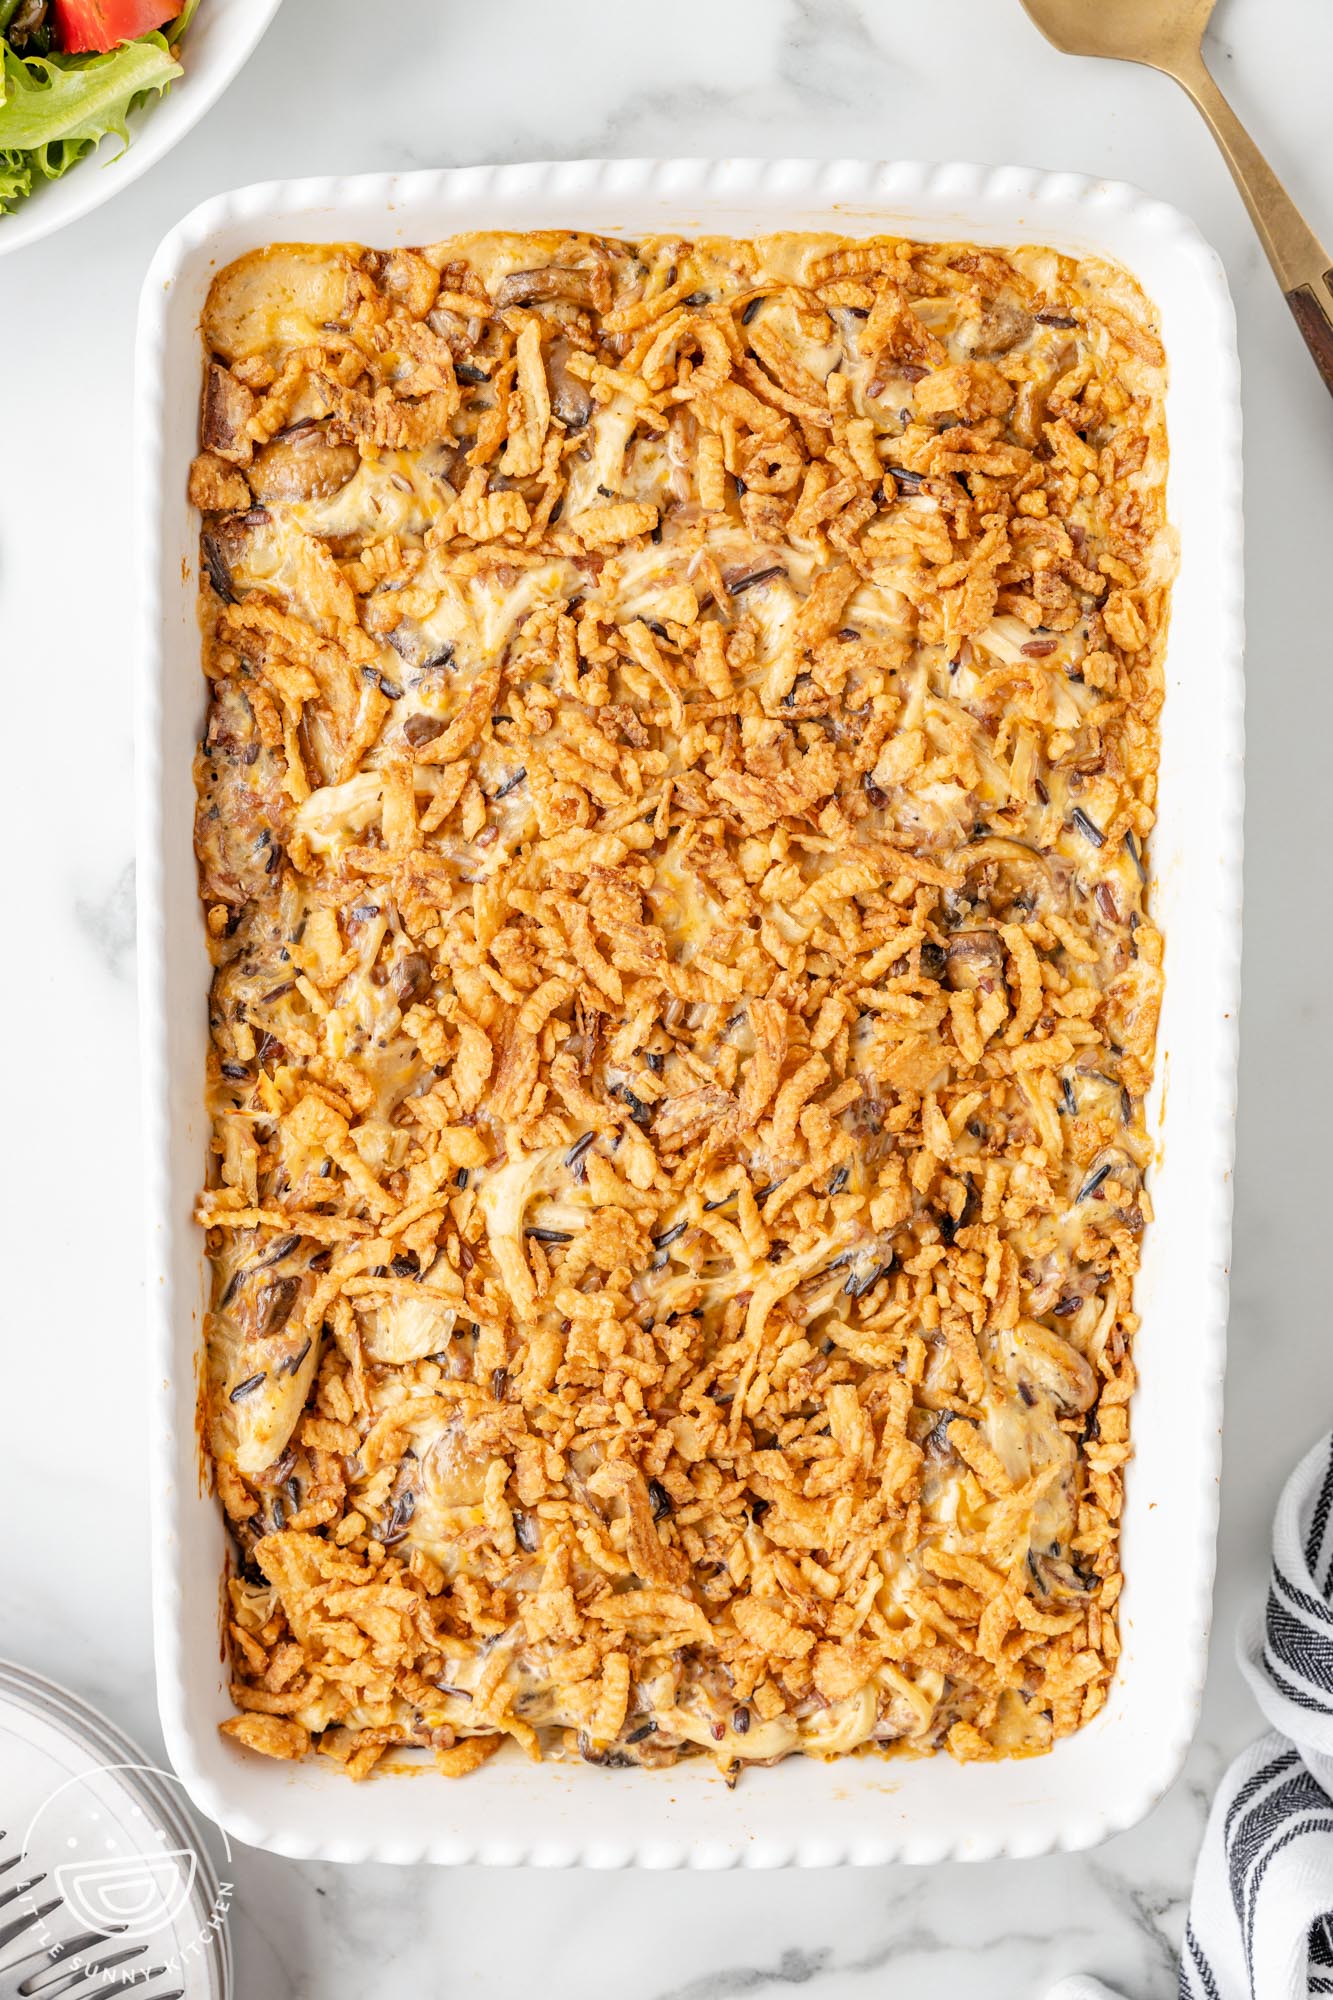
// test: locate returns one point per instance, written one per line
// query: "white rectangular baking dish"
(864, 1809)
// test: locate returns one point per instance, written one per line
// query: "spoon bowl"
(1154, 32)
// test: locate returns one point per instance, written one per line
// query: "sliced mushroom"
(228, 408)
(1003, 324)
(1056, 1576)
(935, 1442)
(417, 650)
(1050, 1366)
(421, 728)
(214, 556)
(973, 959)
(1030, 410)
(459, 334)
(401, 1504)
(1015, 871)
(570, 398)
(406, 277)
(222, 547)
(553, 281)
(231, 730)
(302, 464)
(411, 979)
(273, 1306)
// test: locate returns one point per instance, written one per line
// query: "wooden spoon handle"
(1303, 266)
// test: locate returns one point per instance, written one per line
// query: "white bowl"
(857, 1809)
(220, 40)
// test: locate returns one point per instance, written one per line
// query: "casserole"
(870, 1810)
(669, 820)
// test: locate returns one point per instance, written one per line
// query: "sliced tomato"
(105, 24)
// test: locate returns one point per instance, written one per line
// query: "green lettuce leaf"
(15, 179)
(55, 110)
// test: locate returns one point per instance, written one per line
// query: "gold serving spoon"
(1168, 35)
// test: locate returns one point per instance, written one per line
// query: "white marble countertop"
(965, 78)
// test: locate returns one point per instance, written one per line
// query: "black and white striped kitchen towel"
(1261, 1914)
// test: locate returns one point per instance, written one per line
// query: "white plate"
(863, 1809)
(220, 40)
(106, 1836)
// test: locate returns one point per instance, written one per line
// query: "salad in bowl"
(73, 70)
(74, 73)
